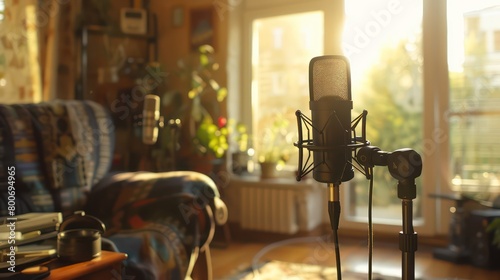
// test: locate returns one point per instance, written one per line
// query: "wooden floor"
(238, 256)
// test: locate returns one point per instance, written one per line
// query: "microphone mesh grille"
(330, 77)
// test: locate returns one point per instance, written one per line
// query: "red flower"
(221, 122)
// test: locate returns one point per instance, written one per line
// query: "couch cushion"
(18, 149)
(154, 251)
(93, 131)
(76, 142)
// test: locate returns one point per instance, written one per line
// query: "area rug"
(278, 270)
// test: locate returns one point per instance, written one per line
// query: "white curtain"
(37, 48)
(20, 81)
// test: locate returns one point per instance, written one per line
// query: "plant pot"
(268, 170)
(240, 162)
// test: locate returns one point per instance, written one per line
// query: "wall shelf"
(87, 32)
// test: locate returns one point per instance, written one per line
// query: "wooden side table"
(108, 266)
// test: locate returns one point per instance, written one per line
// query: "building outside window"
(475, 98)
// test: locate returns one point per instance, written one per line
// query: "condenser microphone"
(331, 104)
(150, 119)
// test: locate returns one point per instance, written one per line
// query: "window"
(283, 46)
(474, 45)
(383, 43)
(427, 71)
(2, 9)
(278, 43)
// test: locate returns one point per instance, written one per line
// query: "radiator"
(268, 208)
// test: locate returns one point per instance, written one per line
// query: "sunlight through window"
(283, 46)
(382, 40)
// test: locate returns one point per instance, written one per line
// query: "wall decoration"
(202, 29)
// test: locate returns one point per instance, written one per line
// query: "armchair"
(62, 152)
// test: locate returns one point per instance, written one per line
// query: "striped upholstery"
(76, 140)
(19, 150)
(102, 131)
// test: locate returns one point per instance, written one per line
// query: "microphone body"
(331, 105)
(150, 119)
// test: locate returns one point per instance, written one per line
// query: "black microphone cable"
(337, 253)
(370, 225)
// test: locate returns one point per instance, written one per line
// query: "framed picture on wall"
(202, 27)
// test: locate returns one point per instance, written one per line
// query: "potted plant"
(199, 106)
(239, 148)
(274, 148)
(217, 138)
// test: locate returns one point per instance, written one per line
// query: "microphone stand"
(407, 237)
(405, 165)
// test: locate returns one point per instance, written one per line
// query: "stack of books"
(28, 238)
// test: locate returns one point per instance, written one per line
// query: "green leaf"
(221, 94)
(204, 60)
(241, 128)
(224, 131)
(192, 93)
(206, 49)
(494, 225)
